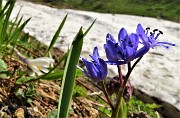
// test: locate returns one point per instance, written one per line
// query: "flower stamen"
(155, 30)
(160, 32)
(116, 45)
(148, 28)
(131, 44)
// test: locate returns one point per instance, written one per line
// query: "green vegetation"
(137, 106)
(134, 105)
(165, 9)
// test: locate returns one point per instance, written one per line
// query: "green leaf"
(3, 12)
(29, 100)
(3, 70)
(20, 92)
(124, 106)
(53, 76)
(122, 113)
(89, 28)
(6, 21)
(79, 91)
(24, 39)
(70, 74)
(50, 76)
(0, 5)
(105, 111)
(24, 80)
(18, 31)
(59, 74)
(153, 106)
(14, 22)
(56, 35)
(52, 114)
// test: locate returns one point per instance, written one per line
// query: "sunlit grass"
(164, 9)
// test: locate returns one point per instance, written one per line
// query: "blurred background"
(164, 9)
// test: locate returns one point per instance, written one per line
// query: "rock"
(157, 74)
(19, 113)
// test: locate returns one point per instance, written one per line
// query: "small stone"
(19, 113)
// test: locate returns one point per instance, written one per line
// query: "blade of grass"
(50, 77)
(0, 5)
(69, 75)
(56, 35)
(16, 33)
(65, 60)
(123, 110)
(68, 81)
(13, 23)
(24, 39)
(59, 74)
(89, 28)
(6, 21)
(18, 30)
(2, 13)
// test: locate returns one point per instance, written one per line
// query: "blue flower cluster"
(97, 69)
(126, 49)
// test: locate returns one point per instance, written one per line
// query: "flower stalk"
(118, 106)
(120, 74)
(106, 95)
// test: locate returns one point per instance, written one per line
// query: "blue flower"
(124, 50)
(149, 39)
(96, 69)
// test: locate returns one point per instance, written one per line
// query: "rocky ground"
(157, 75)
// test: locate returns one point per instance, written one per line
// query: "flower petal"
(95, 53)
(115, 62)
(96, 76)
(141, 32)
(135, 40)
(84, 71)
(103, 68)
(35, 69)
(130, 53)
(122, 35)
(142, 51)
(43, 61)
(88, 67)
(110, 37)
(44, 69)
(112, 49)
(109, 53)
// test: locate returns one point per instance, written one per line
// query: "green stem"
(106, 95)
(118, 104)
(117, 109)
(120, 92)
